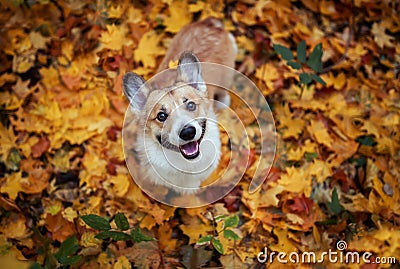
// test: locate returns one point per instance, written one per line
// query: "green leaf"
(305, 78)
(219, 218)
(310, 156)
(315, 61)
(121, 221)
(67, 248)
(232, 221)
(366, 140)
(229, 234)
(335, 205)
(114, 235)
(301, 51)
(294, 65)
(96, 222)
(138, 236)
(217, 245)
(35, 265)
(283, 51)
(70, 260)
(318, 79)
(204, 239)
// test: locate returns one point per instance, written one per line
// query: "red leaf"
(344, 181)
(301, 204)
(40, 147)
(112, 166)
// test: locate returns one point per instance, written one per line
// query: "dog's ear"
(135, 90)
(189, 71)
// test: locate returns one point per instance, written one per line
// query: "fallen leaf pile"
(336, 174)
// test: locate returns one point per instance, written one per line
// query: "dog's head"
(174, 117)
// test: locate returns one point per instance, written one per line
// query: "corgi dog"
(178, 142)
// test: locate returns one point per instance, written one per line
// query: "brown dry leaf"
(380, 37)
(60, 228)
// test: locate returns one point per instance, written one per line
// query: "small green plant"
(67, 253)
(64, 257)
(120, 233)
(227, 232)
(334, 205)
(303, 63)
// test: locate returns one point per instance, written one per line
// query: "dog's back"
(210, 42)
(207, 39)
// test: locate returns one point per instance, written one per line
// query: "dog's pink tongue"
(190, 149)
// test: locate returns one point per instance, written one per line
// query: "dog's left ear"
(189, 71)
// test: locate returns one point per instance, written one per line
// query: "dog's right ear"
(135, 90)
(189, 71)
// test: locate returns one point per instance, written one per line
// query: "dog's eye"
(191, 106)
(162, 116)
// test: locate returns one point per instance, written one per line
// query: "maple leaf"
(179, 16)
(148, 49)
(114, 38)
(318, 130)
(380, 37)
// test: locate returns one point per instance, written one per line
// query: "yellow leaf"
(320, 133)
(268, 198)
(173, 64)
(121, 184)
(196, 7)
(10, 260)
(114, 37)
(296, 180)
(268, 74)
(115, 12)
(179, 16)
(23, 62)
(320, 169)
(8, 140)
(294, 218)
(296, 154)
(245, 43)
(284, 244)
(54, 207)
(38, 41)
(69, 214)
(195, 229)
(122, 263)
(134, 15)
(50, 77)
(88, 240)
(148, 49)
(165, 240)
(11, 184)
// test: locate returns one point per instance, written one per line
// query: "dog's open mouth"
(189, 150)
(192, 149)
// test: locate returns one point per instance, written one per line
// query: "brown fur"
(210, 42)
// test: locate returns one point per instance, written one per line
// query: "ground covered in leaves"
(336, 174)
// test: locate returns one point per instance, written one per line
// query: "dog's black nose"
(187, 133)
